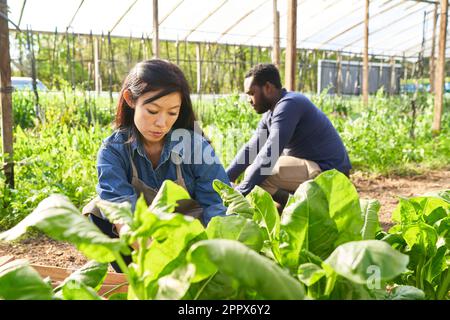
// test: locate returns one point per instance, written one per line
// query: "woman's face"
(155, 119)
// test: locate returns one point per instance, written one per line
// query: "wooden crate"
(114, 282)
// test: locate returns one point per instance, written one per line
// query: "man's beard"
(264, 105)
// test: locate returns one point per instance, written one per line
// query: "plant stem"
(204, 285)
(444, 286)
(115, 288)
(121, 263)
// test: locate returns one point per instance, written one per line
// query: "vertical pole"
(365, 82)
(276, 36)
(97, 76)
(110, 71)
(291, 47)
(433, 45)
(177, 47)
(440, 70)
(53, 59)
(155, 41)
(393, 84)
(199, 67)
(5, 97)
(339, 75)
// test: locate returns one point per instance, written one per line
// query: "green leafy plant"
(422, 231)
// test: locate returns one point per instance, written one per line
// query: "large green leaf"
(250, 269)
(343, 204)
(236, 228)
(266, 213)
(422, 236)
(18, 281)
(235, 202)
(92, 274)
(175, 285)
(167, 250)
(443, 229)
(117, 213)
(310, 273)
(219, 286)
(367, 260)
(168, 196)
(436, 265)
(58, 218)
(405, 212)
(322, 229)
(75, 290)
(405, 293)
(430, 208)
(369, 211)
(345, 289)
(294, 227)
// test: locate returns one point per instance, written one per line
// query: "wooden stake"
(97, 75)
(291, 47)
(365, 82)
(393, 86)
(440, 70)
(5, 97)
(339, 75)
(199, 67)
(155, 41)
(276, 36)
(433, 45)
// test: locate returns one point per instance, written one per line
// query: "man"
(294, 141)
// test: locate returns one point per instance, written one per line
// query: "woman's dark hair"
(265, 72)
(155, 75)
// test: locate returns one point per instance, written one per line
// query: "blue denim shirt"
(200, 166)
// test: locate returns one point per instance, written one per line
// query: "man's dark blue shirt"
(295, 127)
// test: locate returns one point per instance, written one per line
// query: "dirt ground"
(45, 251)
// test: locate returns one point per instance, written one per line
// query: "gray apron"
(187, 207)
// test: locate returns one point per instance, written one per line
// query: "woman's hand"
(120, 228)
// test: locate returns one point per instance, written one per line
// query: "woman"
(154, 112)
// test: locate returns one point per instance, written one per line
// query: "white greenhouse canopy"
(396, 27)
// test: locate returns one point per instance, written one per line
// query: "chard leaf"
(92, 274)
(75, 290)
(252, 270)
(405, 212)
(237, 228)
(369, 212)
(406, 293)
(294, 226)
(367, 260)
(343, 204)
(345, 289)
(443, 229)
(437, 264)
(422, 236)
(310, 273)
(235, 202)
(117, 212)
(167, 251)
(217, 287)
(168, 197)
(19, 281)
(266, 213)
(175, 285)
(322, 229)
(58, 218)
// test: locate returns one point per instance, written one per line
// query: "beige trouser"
(289, 173)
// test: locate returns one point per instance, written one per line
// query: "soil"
(45, 251)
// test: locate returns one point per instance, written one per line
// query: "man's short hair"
(265, 72)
